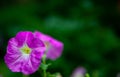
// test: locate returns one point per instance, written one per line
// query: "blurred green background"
(89, 29)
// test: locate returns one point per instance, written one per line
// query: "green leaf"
(44, 66)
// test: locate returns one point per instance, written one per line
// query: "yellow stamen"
(25, 49)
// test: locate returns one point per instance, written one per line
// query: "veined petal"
(27, 67)
(34, 61)
(13, 54)
(13, 62)
(12, 46)
(21, 37)
(34, 42)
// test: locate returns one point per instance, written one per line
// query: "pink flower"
(54, 47)
(24, 53)
(79, 72)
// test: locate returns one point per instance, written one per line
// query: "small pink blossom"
(54, 47)
(79, 72)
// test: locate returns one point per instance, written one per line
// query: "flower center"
(25, 49)
(46, 44)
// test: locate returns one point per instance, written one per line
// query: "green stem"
(44, 62)
(44, 73)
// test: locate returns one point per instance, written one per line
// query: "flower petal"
(34, 61)
(13, 55)
(42, 36)
(13, 62)
(55, 49)
(21, 37)
(34, 42)
(12, 46)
